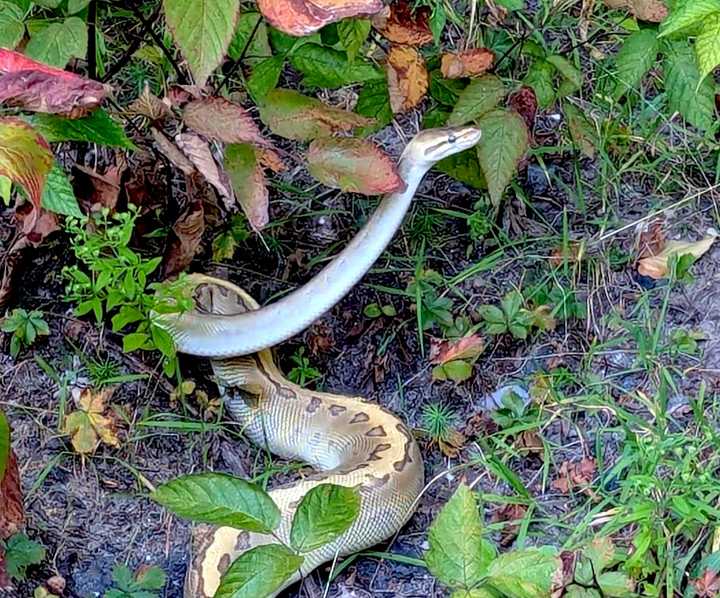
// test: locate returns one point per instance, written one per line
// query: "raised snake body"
(348, 440)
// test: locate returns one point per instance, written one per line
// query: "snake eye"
(451, 138)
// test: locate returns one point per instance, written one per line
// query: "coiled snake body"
(348, 440)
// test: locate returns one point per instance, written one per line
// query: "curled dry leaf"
(470, 63)
(708, 584)
(303, 17)
(652, 240)
(248, 182)
(35, 226)
(35, 86)
(198, 152)
(656, 266)
(468, 347)
(172, 152)
(187, 232)
(525, 103)
(89, 425)
(400, 24)
(407, 78)
(12, 513)
(353, 165)
(222, 120)
(150, 106)
(654, 11)
(572, 475)
(100, 190)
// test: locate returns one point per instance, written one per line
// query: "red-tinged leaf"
(468, 347)
(295, 116)
(35, 86)
(248, 182)
(401, 23)
(100, 190)
(12, 513)
(303, 17)
(198, 152)
(470, 63)
(222, 120)
(187, 233)
(407, 78)
(172, 152)
(353, 165)
(272, 160)
(25, 157)
(36, 225)
(524, 102)
(654, 11)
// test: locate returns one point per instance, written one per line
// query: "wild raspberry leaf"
(57, 43)
(470, 63)
(25, 157)
(525, 573)
(707, 44)
(689, 94)
(265, 77)
(374, 102)
(4, 444)
(260, 571)
(407, 76)
(353, 165)
(295, 116)
(12, 25)
(540, 77)
(259, 46)
(58, 195)
(688, 14)
(635, 58)
(220, 499)
(505, 141)
(248, 181)
(403, 23)
(203, 30)
(478, 98)
(98, 127)
(464, 167)
(582, 130)
(325, 67)
(222, 120)
(303, 17)
(12, 513)
(325, 513)
(352, 34)
(34, 86)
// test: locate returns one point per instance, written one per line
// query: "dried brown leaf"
(100, 190)
(187, 233)
(653, 11)
(12, 513)
(657, 266)
(271, 160)
(222, 120)
(150, 106)
(707, 585)
(468, 348)
(407, 78)
(575, 475)
(524, 102)
(172, 152)
(89, 425)
(470, 63)
(198, 152)
(248, 181)
(400, 24)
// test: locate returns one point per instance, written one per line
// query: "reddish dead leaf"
(34, 86)
(479, 424)
(468, 347)
(35, 226)
(150, 106)
(524, 102)
(12, 513)
(97, 191)
(530, 441)
(271, 160)
(509, 512)
(470, 63)
(407, 78)
(248, 181)
(353, 165)
(320, 338)
(653, 11)
(187, 233)
(303, 17)
(400, 24)
(575, 475)
(707, 585)
(657, 266)
(652, 239)
(179, 95)
(222, 120)
(172, 152)
(198, 152)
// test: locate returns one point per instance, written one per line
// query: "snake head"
(432, 145)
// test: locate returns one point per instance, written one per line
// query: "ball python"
(349, 441)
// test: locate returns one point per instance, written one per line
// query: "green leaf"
(325, 513)
(325, 67)
(540, 78)
(151, 578)
(526, 573)
(504, 142)
(457, 370)
(58, 196)
(615, 584)
(353, 33)
(248, 182)
(475, 593)
(438, 19)
(4, 444)
(20, 553)
(478, 98)
(465, 168)
(258, 572)
(374, 102)
(259, 48)
(57, 43)
(573, 77)
(220, 499)
(687, 94)
(634, 59)
(264, 78)
(582, 131)
(512, 4)
(202, 29)
(458, 555)
(75, 6)
(601, 553)
(707, 45)
(131, 342)
(12, 26)
(98, 127)
(687, 13)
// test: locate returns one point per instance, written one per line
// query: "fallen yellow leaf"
(407, 78)
(656, 266)
(88, 425)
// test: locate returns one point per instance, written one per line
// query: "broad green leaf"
(458, 554)
(540, 78)
(707, 44)
(57, 43)
(582, 131)
(465, 168)
(264, 78)
(353, 33)
(693, 99)
(248, 182)
(48, 3)
(445, 91)
(475, 593)
(573, 78)
(574, 591)
(259, 48)
(353, 165)
(374, 102)
(202, 29)
(526, 573)
(457, 370)
(438, 19)
(20, 553)
(616, 584)
(325, 67)
(687, 13)
(258, 572)
(504, 142)
(25, 157)
(4, 444)
(131, 342)
(219, 499)
(478, 98)
(634, 59)
(295, 116)
(12, 27)
(5, 188)
(58, 195)
(325, 513)
(98, 127)
(74, 6)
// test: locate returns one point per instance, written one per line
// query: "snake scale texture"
(349, 441)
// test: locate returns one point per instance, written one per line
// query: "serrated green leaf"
(526, 573)
(74, 6)
(504, 142)
(465, 168)
(151, 578)
(687, 13)
(707, 44)
(260, 571)
(540, 78)
(264, 78)
(259, 48)
(12, 26)
(4, 444)
(459, 559)
(634, 59)
(58, 195)
(582, 131)
(568, 71)
(325, 513)
(437, 21)
(98, 127)
(325, 67)
(353, 33)
(374, 102)
(219, 499)
(57, 43)
(616, 584)
(202, 29)
(687, 94)
(20, 553)
(478, 98)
